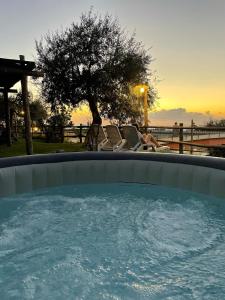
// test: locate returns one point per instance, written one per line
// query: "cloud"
(166, 117)
(179, 115)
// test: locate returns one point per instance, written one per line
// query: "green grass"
(39, 147)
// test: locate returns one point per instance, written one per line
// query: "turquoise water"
(113, 241)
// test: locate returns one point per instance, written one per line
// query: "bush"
(217, 152)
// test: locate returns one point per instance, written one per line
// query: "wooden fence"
(184, 137)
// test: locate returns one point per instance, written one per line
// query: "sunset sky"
(186, 39)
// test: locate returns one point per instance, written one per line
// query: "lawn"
(39, 147)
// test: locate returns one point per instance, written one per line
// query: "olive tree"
(95, 62)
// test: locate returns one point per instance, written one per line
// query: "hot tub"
(25, 174)
(112, 226)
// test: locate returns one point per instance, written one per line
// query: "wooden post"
(80, 133)
(181, 138)
(192, 128)
(26, 108)
(7, 117)
(16, 128)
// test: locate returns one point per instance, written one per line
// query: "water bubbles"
(120, 241)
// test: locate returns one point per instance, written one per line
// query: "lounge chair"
(115, 137)
(134, 142)
(96, 139)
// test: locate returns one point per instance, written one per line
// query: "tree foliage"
(59, 119)
(94, 62)
(219, 123)
(38, 109)
(12, 107)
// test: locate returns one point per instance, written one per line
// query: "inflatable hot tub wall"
(29, 173)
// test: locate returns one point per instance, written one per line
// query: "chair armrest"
(136, 147)
(102, 144)
(119, 145)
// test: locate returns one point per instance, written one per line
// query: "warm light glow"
(35, 129)
(140, 90)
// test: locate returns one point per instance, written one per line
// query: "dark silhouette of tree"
(93, 62)
(38, 109)
(56, 123)
(214, 123)
(13, 116)
(38, 113)
(2, 111)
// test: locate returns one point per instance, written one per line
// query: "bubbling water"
(112, 241)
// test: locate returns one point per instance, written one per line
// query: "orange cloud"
(167, 117)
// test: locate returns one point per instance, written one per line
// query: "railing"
(76, 132)
(189, 137)
(181, 138)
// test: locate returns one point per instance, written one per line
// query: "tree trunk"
(95, 114)
(62, 132)
(16, 126)
(26, 108)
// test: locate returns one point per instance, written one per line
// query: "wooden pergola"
(11, 72)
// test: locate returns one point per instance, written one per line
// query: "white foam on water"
(112, 242)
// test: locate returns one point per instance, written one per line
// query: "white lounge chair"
(115, 137)
(96, 139)
(135, 143)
